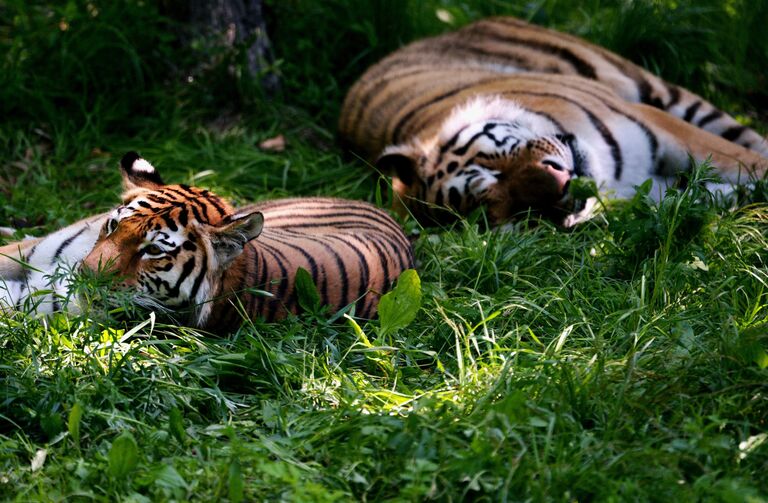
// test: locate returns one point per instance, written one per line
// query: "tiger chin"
(504, 115)
(186, 252)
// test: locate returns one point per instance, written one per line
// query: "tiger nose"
(559, 173)
(96, 262)
(93, 264)
(88, 265)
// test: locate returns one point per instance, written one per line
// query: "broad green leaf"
(167, 476)
(73, 423)
(235, 481)
(123, 455)
(306, 291)
(399, 307)
(176, 424)
(583, 188)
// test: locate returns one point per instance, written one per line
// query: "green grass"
(622, 361)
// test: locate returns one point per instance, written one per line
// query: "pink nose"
(99, 259)
(561, 175)
(91, 264)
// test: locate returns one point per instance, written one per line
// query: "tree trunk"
(233, 22)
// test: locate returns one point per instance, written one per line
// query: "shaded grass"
(625, 360)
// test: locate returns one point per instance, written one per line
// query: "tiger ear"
(229, 238)
(400, 161)
(138, 173)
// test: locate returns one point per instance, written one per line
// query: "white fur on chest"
(46, 284)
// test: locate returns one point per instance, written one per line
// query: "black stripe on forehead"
(201, 200)
(397, 130)
(182, 204)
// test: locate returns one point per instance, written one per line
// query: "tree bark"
(233, 22)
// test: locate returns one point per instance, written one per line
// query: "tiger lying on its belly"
(504, 114)
(187, 250)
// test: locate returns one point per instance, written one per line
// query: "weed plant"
(624, 360)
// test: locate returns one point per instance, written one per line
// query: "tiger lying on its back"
(188, 250)
(504, 114)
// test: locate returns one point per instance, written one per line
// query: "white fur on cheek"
(480, 180)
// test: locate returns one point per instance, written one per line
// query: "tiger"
(504, 114)
(36, 273)
(188, 252)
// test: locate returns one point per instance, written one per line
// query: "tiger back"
(188, 251)
(504, 114)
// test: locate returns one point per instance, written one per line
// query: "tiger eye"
(152, 250)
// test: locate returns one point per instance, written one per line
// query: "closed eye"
(110, 226)
(553, 165)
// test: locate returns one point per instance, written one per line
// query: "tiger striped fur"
(34, 273)
(504, 114)
(190, 252)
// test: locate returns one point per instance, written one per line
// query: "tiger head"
(489, 152)
(170, 243)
